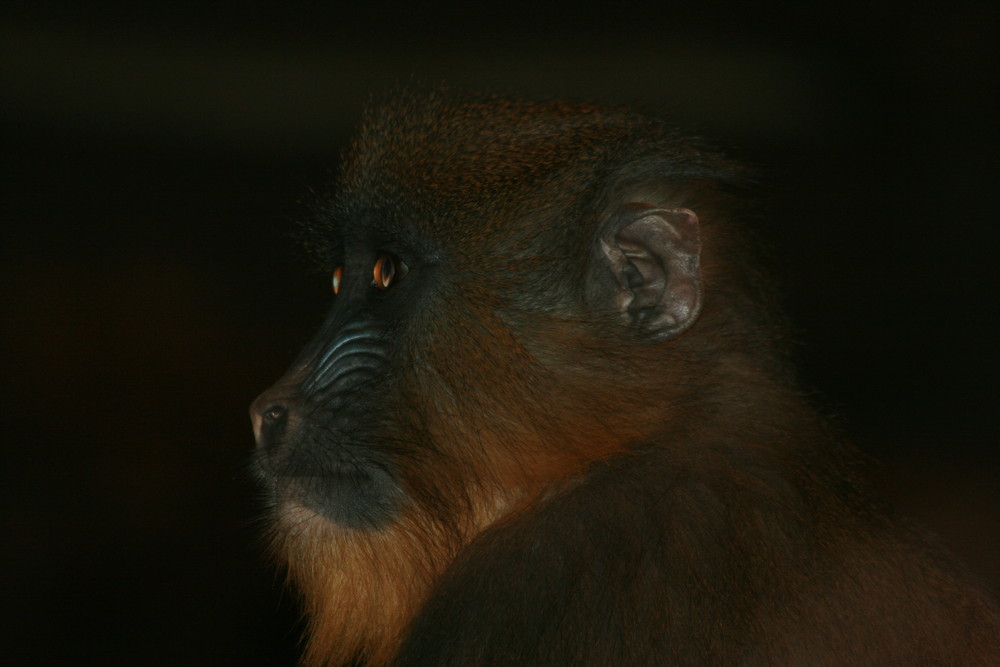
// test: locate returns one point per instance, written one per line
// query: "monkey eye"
(387, 270)
(338, 273)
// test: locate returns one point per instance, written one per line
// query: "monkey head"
(514, 286)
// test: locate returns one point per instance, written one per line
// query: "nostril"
(270, 416)
(275, 412)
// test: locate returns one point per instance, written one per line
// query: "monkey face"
(323, 440)
(382, 415)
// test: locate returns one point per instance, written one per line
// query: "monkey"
(550, 418)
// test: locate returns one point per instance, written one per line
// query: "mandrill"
(549, 419)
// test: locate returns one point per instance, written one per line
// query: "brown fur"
(571, 491)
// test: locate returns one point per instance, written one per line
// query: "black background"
(153, 159)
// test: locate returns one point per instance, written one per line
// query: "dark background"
(153, 159)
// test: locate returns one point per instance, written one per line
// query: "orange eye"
(338, 273)
(385, 272)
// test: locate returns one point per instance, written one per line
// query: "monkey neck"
(600, 398)
(737, 405)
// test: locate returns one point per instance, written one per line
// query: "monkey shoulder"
(651, 560)
(634, 565)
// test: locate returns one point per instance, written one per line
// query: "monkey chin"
(357, 500)
(360, 586)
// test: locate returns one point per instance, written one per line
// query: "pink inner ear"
(653, 256)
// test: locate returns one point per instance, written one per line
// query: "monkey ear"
(653, 255)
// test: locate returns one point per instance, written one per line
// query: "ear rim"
(653, 254)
